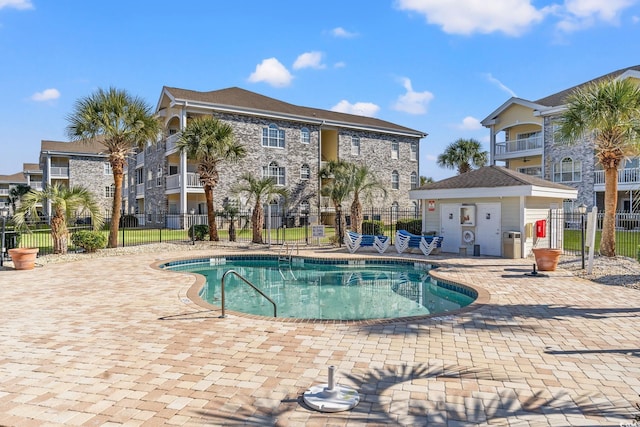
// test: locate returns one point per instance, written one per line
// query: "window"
(305, 172)
(305, 136)
(274, 171)
(567, 171)
(107, 168)
(395, 180)
(159, 177)
(149, 179)
(414, 180)
(394, 149)
(414, 151)
(272, 137)
(110, 190)
(355, 146)
(139, 176)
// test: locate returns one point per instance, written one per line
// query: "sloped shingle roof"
(490, 177)
(558, 98)
(237, 97)
(16, 178)
(79, 147)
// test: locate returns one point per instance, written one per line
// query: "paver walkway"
(111, 341)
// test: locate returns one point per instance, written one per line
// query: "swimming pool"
(327, 289)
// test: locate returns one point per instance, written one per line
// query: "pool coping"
(193, 293)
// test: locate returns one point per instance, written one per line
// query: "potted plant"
(23, 258)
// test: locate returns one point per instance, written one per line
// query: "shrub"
(413, 226)
(201, 231)
(89, 240)
(373, 227)
(129, 221)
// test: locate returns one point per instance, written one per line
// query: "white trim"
(490, 192)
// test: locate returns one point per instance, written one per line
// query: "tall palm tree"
(463, 154)
(121, 123)
(363, 182)
(65, 202)
(339, 185)
(606, 113)
(260, 190)
(210, 143)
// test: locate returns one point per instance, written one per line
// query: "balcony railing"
(4, 191)
(140, 189)
(519, 145)
(59, 171)
(625, 176)
(36, 186)
(171, 141)
(193, 181)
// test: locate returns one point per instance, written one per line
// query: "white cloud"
(342, 33)
(340, 64)
(413, 102)
(16, 4)
(360, 108)
(46, 95)
(500, 84)
(431, 157)
(511, 17)
(470, 123)
(309, 60)
(271, 71)
(580, 14)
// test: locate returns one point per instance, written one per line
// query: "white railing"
(36, 186)
(139, 189)
(59, 171)
(193, 181)
(171, 141)
(625, 176)
(140, 159)
(172, 181)
(519, 145)
(4, 191)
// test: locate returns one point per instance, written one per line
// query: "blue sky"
(432, 65)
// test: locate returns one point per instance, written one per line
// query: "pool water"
(331, 290)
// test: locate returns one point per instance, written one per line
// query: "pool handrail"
(275, 310)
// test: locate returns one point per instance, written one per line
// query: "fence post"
(123, 226)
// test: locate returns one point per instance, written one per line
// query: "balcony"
(519, 147)
(193, 181)
(140, 190)
(171, 142)
(59, 172)
(628, 178)
(4, 191)
(37, 186)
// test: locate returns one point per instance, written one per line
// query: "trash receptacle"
(476, 250)
(511, 245)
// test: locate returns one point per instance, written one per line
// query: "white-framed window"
(274, 171)
(110, 191)
(304, 207)
(395, 180)
(149, 179)
(106, 166)
(159, 177)
(139, 176)
(414, 180)
(413, 155)
(272, 136)
(305, 136)
(395, 149)
(355, 146)
(567, 170)
(305, 172)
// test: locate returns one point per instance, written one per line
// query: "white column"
(48, 167)
(492, 145)
(183, 166)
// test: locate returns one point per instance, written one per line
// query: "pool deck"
(112, 341)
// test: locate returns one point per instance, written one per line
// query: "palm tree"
(210, 143)
(338, 187)
(65, 202)
(463, 154)
(121, 123)
(363, 182)
(425, 180)
(16, 193)
(607, 113)
(261, 190)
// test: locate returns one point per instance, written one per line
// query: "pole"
(4, 222)
(582, 236)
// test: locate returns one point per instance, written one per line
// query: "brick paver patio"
(112, 341)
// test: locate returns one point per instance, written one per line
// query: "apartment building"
(522, 138)
(8, 183)
(287, 142)
(78, 163)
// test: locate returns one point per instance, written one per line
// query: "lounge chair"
(354, 241)
(406, 241)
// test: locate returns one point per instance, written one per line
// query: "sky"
(436, 66)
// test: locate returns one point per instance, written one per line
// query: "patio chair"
(407, 241)
(354, 241)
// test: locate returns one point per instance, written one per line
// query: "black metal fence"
(303, 228)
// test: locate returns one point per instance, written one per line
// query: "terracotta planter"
(23, 258)
(547, 259)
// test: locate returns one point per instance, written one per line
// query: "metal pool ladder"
(285, 254)
(239, 276)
